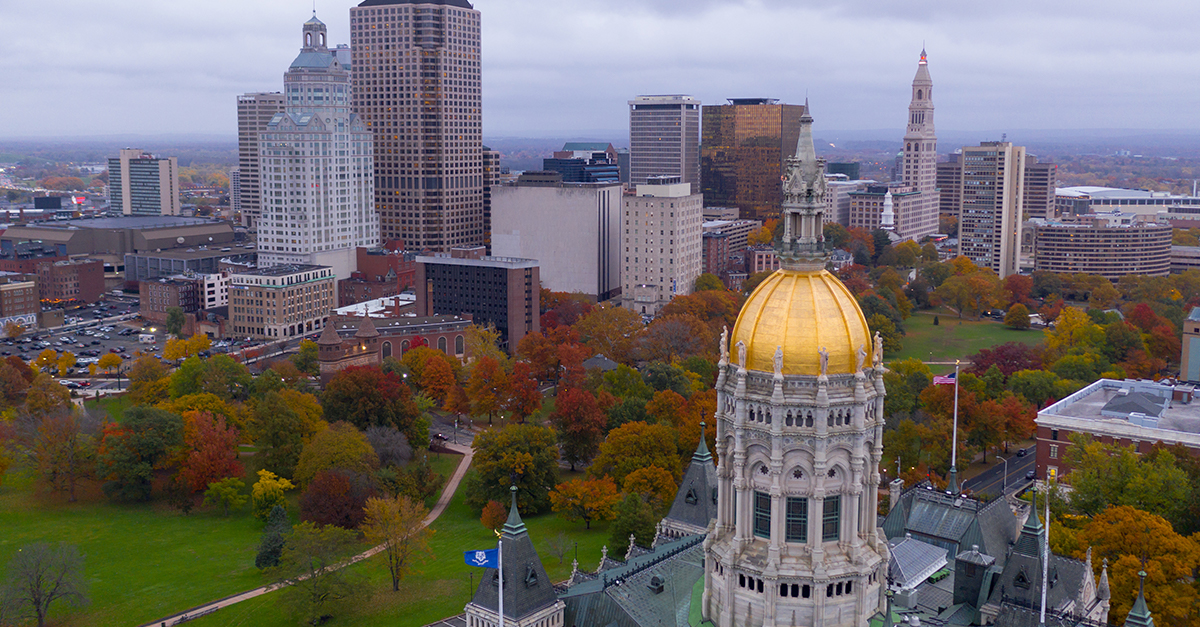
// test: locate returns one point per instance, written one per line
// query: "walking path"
(438, 508)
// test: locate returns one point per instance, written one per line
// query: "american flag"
(946, 380)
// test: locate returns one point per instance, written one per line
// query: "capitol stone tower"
(799, 439)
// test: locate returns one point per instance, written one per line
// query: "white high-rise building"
(316, 167)
(254, 112)
(664, 138)
(141, 184)
(663, 255)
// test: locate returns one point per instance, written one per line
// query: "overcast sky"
(562, 67)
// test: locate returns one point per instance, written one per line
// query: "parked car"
(1031, 475)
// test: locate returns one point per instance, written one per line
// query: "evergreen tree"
(271, 546)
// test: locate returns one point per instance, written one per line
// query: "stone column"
(815, 514)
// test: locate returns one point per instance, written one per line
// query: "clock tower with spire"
(919, 173)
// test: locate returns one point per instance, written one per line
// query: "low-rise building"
(1111, 245)
(118, 236)
(19, 302)
(151, 264)
(501, 291)
(1127, 413)
(350, 340)
(380, 272)
(156, 297)
(78, 280)
(280, 301)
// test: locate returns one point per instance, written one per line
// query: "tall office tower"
(1040, 180)
(416, 85)
(992, 191)
(919, 217)
(254, 111)
(664, 139)
(235, 189)
(662, 242)
(140, 184)
(316, 167)
(491, 178)
(742, 151)
(949, 183)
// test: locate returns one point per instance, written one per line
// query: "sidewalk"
(438, 508)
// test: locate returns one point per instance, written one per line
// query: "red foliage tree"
(26, 372)
(366, 396)
(336, 497)
(580, 424)
(1163, 343)
(570, 360)
(212, 451)
(1144, 318)
(524, 398)
(494, 515)
(1008, 357)
(1018, 288)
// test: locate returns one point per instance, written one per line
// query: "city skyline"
(1066, 66)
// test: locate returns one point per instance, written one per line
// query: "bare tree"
(40, 574)
(559, 545)
(390, 445)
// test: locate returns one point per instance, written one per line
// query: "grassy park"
(953, 338)
(443, 585)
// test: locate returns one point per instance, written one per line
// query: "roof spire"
(702, 454)
(1139, 615)
(514, 526)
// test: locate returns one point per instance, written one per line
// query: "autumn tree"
(110, 362)
(493, 516)
(305, 358)
(365, 396)
(390, 445)
(61, 445)
(522, 455)
(148, 381)
(674, 337)
(666, 407)
(226, 493)
(655, 485)
(130, 452)
(65, 363)
(336, 497)
(268, 492)
(635, 517)
(523, 398)
(487, 388)
(175, 321)
(611, 331)
(211, 451)
(46, 396)
(40, 575)
(586, 500)
(399, 525)
(1017, 317)
(13, 330)
(219, 375)
(484, 341)
(342, 447)
(45, 359)
(1106, 474)
(636, 445)
(318, 587)
(1009, 357)
(1133, 540)
(893, 341)
(580, 424)
(281, 425)
(437, 379)
(1018, 288)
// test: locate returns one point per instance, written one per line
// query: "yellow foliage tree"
(45, 359)
(398, 524)
(267, 492)
(65, 362)
(110, 362)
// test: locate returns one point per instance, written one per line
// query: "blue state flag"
(483, 559)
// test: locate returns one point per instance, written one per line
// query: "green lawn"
(955, 339)
(142, 561)
(114, 405)
(444, 585)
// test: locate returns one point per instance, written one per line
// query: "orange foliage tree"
(586, 500)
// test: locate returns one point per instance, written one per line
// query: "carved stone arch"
(789, 420)
(808, 419)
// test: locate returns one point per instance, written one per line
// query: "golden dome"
(802, 311)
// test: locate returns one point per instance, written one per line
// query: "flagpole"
(1045, 556)
(500, 572)
(954, 437)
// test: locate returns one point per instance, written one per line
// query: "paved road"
(991, 481)
(443, 501)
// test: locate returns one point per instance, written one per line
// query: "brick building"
(19, 300)
(380, 272)
(501, 291)
(368, 340)
(280, 301)
(74, 280)
(157, 296)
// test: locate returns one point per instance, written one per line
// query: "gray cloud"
(75, 67)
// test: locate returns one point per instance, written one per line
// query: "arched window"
(404, 347)
(442, 344)
(387, 349)
(459, 347)
(920, 94)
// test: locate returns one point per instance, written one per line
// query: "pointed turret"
(366, 328)
(802, 245)
(529, 594)
(1030, 540)
(696, 501)
(923, 70)
(1102, 590)
(1139, 614)
(888, 220)
(329, 336)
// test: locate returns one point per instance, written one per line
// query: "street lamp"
(1004, 490)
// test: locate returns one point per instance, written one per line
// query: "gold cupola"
(802, 310)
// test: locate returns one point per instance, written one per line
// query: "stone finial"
(778, 361)
(860, 358)
(877, 357)
(824, 353)
(629, 551)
